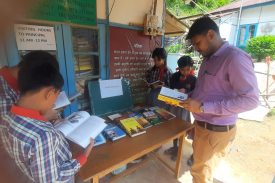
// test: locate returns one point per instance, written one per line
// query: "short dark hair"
(201, 26)
(160, 53)
(185, 61)
(38, 56)
(39, 74)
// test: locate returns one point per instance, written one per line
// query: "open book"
(158, 82)
(79, 127)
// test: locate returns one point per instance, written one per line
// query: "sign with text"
(130, 58)
(73, 11)
(34, 37)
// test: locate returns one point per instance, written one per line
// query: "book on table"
(164, 114)
(99, 140)
(152, 117)
(79, 127)
(113, 132)
(132, 127)
(142, 121)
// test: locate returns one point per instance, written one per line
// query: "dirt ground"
(251, 159)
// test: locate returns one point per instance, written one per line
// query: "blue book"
(100, 139)
(113, 132)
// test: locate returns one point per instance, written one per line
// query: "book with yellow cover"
(170, 96)
(132, 127)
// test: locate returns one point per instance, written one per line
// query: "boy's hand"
(182, 90)
(158, 85)
(89, 148)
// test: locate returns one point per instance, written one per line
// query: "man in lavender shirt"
(226, 86)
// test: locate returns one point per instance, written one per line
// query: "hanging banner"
(81, 12)
(33, 37)
(130, 52)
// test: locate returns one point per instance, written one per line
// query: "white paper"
(114, 116)
(61, 101)
(91, 128)
(173, 93)
(110, 88)
(34, 37)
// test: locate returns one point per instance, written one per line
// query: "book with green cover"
(152, 117)
(132, 127)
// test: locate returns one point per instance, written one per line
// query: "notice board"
(81, 12)
(130, 58)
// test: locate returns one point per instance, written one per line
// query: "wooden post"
(179, 156)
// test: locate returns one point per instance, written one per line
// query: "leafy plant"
(180, 9)
(261, 46)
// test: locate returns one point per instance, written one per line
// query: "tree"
(180, 9)
(261, 47)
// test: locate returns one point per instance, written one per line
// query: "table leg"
(95, 180)
(179, 156)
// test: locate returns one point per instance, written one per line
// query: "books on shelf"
(164, 114)
(171, 96)
(99, 140)
(113, 132)
(79, 127)
(132, 127)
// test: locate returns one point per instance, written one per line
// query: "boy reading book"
(9, 92)
(9, 95)
(159, 72)
(39, 150)
(183, 81)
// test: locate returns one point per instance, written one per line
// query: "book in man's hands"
(113, 132)
(171, 96)
(79, 127)
(132, 127)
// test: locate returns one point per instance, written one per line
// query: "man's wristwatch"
(201, 108)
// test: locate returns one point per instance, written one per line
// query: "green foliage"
(177, 48)
(180, 9)
(261, 46)
(271, 113)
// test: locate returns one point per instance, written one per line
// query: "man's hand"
(89, 148)
(191, 105)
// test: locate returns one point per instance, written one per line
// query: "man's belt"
(215, 128)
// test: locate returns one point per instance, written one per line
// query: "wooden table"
(112, 155)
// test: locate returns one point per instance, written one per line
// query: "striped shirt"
(153, 74)
(8, 91)
(40, 151)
